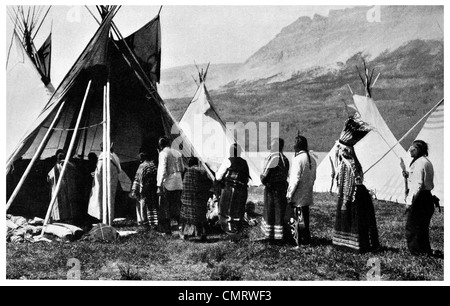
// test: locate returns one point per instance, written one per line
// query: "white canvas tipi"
(379, 152)
(433, 133)
(28, 86)
(382, 172)
(207, 132)
(107, 96)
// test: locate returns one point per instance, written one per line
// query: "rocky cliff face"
(330, 41)
(320, 45)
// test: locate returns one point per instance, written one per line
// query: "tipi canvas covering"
(122, 72)
(382, 172)
(433, 133)
(207, 133)
(27, 91)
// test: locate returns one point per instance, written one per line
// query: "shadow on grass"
(384, 249)
(207, 241)
(320, 241)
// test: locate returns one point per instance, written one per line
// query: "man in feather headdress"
(355, 227)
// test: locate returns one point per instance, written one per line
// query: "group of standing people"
(81, 189)
(165, 189)
(288, 192)
(355, 226)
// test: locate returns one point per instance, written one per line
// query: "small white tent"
(382, 172)
(207, 132)
(379, 152)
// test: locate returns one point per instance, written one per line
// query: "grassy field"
(151, 257)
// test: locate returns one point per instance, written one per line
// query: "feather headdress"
(354, 130)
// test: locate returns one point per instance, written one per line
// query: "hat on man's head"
(354, 130)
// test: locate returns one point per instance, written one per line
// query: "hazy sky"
(200, 33)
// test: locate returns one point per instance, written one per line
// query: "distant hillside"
(319, 43)
(331, 41)
(180, 81)
(301, 78)
(411, 82)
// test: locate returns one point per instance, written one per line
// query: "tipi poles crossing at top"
(145, 81)
(35, 157)
(148, 85)
(42, 21)
(72, 143)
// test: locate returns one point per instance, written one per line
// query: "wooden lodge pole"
(66, 161)
(110, 210)
(35, 157)
(104, 163)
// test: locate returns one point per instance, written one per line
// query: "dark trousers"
(297, 224)
(169, 208)
(306, 233)
(274, 211)
(418, 224)
(232, 208)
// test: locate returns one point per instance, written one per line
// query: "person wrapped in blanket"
(194, 201)
(95, 207)
(233, 173)
(143, 190)
(274, 178)
(65, 208)
(419, 200)
(355, 228)
(300, 191)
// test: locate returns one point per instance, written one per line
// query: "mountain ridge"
(312, 101)
(322, 43)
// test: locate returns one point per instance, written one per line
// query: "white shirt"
(223, 169)
(170, 167)
(301, 179)
(421, 174)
